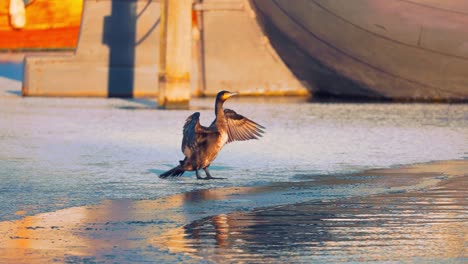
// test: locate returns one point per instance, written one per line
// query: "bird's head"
(224, 95)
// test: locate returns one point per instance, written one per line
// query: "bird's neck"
(219, 112)
(219, 107)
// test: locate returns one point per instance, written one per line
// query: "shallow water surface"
(429, 226)
(416, 213)
(11, 70)
(62, 153)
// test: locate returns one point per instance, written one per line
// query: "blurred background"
(365, 50)
(364, 156)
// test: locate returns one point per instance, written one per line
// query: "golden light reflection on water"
(326, 230)
(21, 240)
(21, 234)
(384, 227)
(90, 231)
(426, 225)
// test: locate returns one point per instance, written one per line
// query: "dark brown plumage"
(201, 145)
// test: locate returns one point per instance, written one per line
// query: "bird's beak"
(227, 96)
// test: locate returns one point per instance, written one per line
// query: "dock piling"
(175, 54)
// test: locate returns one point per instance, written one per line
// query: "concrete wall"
(239, 56)
(116, 54)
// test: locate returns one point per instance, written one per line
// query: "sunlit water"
(11, 70)
(421, 227)
(58, 152)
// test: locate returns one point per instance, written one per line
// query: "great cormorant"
(201, 145)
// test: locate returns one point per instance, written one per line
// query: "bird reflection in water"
(388, 227)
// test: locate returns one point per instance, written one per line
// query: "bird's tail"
(177, 171)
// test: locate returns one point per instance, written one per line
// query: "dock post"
(175, 54)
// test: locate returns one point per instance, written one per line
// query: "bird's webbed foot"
(209, 177)
(214, 178)
(198, 175)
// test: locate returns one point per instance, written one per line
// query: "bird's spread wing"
(190, 135)
(241, 128)
(193, 132)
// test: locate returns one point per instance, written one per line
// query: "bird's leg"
(198, 175)
(208, 175)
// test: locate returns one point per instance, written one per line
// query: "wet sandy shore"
(416, 213)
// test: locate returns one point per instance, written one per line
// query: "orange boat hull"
(51, 24)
